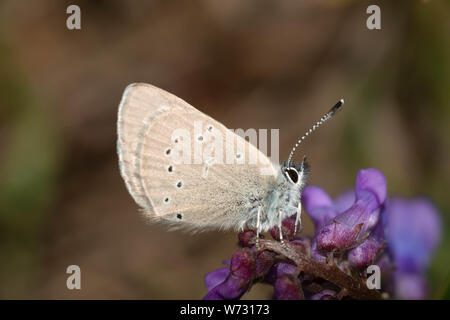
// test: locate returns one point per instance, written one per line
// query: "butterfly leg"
(298, 219)
(258, 227)
(280, 229)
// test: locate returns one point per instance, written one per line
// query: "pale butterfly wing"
(215, 190)
(139, 104)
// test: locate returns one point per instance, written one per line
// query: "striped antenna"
(322, 120)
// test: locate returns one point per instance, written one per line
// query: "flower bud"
(287, 229)
(365, 254)
(355, 224)
(243, 264)
(247, 238)
(232, 288)
(288, 287)
(278, 269)
(242, 271)
(264, 262)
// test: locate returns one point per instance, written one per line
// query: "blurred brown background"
(249, 64)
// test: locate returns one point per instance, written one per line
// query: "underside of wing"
(139, 105)
(185, 168)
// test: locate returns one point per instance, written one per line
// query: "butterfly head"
(284, 200)
(294, 173)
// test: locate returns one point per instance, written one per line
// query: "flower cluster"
(360, 228)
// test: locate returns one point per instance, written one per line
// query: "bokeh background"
(249, 64)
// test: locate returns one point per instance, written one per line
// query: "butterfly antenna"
(322, 120)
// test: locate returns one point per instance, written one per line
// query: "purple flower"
(232, 288)
(246, 238)
(410, 286)
(216, 277)
(288, 287)
(413, 233)
(344, 201)
(362, 225)
(236, 282)
(368, 251)
(279, 269)
(287, 229)
(319, 205)
(264, 262)
(352, 226)
(325, 295)
(316, 254)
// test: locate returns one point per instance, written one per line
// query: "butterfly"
(210, 193)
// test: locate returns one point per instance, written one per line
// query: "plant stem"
(330, 272)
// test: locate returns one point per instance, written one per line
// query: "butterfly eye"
(291, 174)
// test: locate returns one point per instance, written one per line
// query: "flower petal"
(318, 205)
(279, 269)
(344, 201)
(316, 254)
(216, 277)
(243, 264)
(410, 286)
(366, 253)
(264, 262)
(288, 287)
(232, 288)
(314, 197)
(352, 226)
(348, 228)
(413, 232)
(337, 236)
(373, 181)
